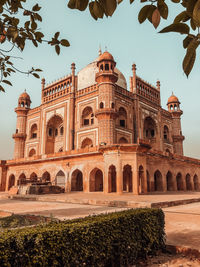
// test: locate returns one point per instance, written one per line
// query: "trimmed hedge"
(116, 239)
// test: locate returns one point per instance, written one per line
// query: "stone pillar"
(119, 176)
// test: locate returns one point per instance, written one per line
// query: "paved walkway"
(182, 222)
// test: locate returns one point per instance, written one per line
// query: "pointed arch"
(32, 152)
(11, 181)
(149, 128)
(33, 131)
(87, 142)
(196, 182)
(112, 183)
(188, 182)
(54, 139)
(77, 181)
(87, 116)
(33, 177)
(158, 182)
(60, 179)
(127, 178)
(22, 179)
(179, 181)
(122, 117)
(123, 140)
(96, 180)
(169, 181)
(46, 177)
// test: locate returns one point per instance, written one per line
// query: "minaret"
(174, 108)
(106, 113)
(72, 108)
(24, 103)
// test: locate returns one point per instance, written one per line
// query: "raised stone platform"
(125, 200)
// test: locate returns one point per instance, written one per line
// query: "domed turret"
(173, 103)
(24, 100)
(105, 56)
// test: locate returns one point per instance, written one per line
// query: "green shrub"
(116, 239)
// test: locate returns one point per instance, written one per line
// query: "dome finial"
(100, 52)
(106, 48)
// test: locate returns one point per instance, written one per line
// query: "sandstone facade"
(91, 133)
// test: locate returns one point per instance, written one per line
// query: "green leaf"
(38, 70)
(57, 48)
(7, 82)
(143, 14)
(182, 28)
(196, 14)
(64, 43)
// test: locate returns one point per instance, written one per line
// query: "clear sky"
(157, 56)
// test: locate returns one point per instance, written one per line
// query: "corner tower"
(174, 108)
(24, 103)
(106, 113)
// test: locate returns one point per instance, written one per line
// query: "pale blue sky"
(157, 56)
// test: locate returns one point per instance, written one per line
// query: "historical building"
(91, 133)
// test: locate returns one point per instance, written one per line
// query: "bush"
(116, 239)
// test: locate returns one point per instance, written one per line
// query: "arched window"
(123, 140)
(61, 130)
(32, 152)
(106, 66)
(122, 117)
(101, 105)
(112, 105)
(166, 133)
(149, 128)
(53, 142)
(101, 67)
(56, 132)
(87, 116)
(87, 142)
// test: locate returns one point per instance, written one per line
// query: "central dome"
(86, 76)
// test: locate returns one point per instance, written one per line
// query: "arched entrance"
(96, 180)
(33, 177)
(46, 177)
(170, 185)
(148, 182)
(60, 179)
(32, 152)
(11, 181)
(123, 140)
(179, 181)
(158, 183)
(196, 183)
(54, 135)
(77, 181)
(87, 142)
(188, 182)
(112, 186)
(141, 180)
(127, 178)
(22, 179)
